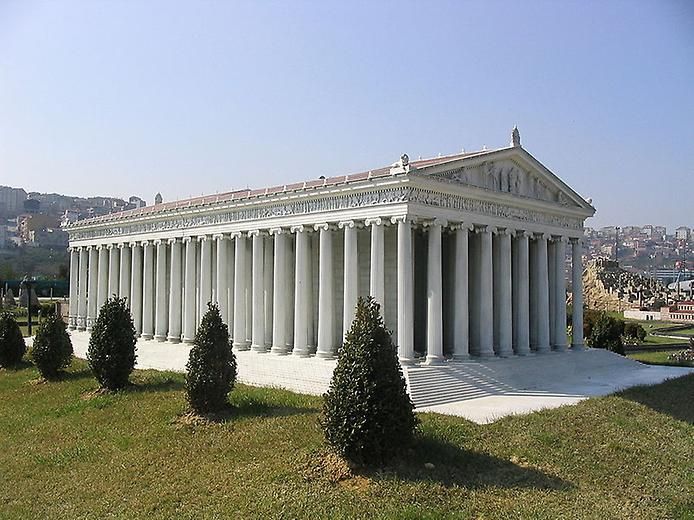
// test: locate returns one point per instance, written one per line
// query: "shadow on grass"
(74, 375)
(455, 466)
(23, 364)
(672, 397)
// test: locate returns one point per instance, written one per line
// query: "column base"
(485, 354)
(260, 349)
(147, 336)
(504, 354)
(559, 348)
(241, 346)
(406, 361)
(543, 350)
(461, 357)
(434, 360)
(522, 352)
(188, 341)
(301, 352)
(279, 351)
(81, 329)
(578, 347)
(159, 338)
(173, 339)
(325, 355)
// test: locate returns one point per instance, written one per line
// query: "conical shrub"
(52, 349)
(111, 352)
(211, 367)
(12, 346)
(368, 416)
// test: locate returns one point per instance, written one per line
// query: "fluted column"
(148, 291)
(124, 272)
(485, 292)
(258, 329)
(205, 275)
(326, 293)
(136, 286)
(301, 288)
(434, 295)
(240, 287)
(82, 290)
(113, 269)
(461, 317)
(189, 279)
(268, 270)
(540, 295)
(551, 261)
(377, 287)
(405, 290)
(222, 265)
(93, 287)
(279, 289)
(577, 290)
(351, 275)
(175, 292)
(103, 275)
(162, 305)
(521, 295)
(74, 288)
(560, 294)
(503, 315)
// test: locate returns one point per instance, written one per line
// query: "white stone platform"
(479, 390)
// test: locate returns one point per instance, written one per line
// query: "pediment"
(516, 173)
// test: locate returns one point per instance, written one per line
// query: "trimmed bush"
(52, 350)
(606, 332)
(211, 367)
(368, 416)
(634, 332)
(111, 352)
(12, 346)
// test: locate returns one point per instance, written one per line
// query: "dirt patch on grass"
(191, 419)
(330, 467)
(93, 394)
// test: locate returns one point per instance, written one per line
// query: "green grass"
(658, 358)
(127, 455)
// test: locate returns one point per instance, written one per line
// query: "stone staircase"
(451, 382)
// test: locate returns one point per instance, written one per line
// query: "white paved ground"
(481, 391)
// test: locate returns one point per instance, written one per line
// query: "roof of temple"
(297, 186)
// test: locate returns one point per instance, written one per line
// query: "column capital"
(237, 234)
(277, 231)
(109, 246)
(160, 241)
(350, 224)
(220, 236)
(257, 233)
(374, 221)
(145, 243)
(172, 241)
(123, 244)
(465, 226)
(405, 219)
(559, 238)
(325, 226)
(483, 229)
(541, 236)
(576, 241)
(503, 231)
(522, 233)
(203, 238)
(435, 222)
(300, 229)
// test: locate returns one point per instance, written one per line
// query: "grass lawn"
(657, 358)
(65, 453)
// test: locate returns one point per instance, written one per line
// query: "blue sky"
(134, 97)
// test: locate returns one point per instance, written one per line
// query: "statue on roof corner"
(515, 137)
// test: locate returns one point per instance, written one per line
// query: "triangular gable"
(508, 170)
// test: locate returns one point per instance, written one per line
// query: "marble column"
(560, 339)
(74, 288)
(540, 295)
(240, 285)
(485, 292)
(326, 347)
(268, 270)
(103, 275)
(301, 296)
(136, 286)
(161, 324)
(434, 295)
(222, 265)
(93, 287)
(551, 261)
(577, 290)
(258, 329)
(503, 314)
(175, 291)
(461, 324)
(377, 287)
(148, 291)
(189, 278)
(124, 272)
(351, 275)
(279, 289)
(205, 275)
(82, 289)
(521, 295)
(405, 290)
(113, 269)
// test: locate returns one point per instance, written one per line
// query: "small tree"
(606, 332)
(111, 352)
(368, 416)
(211, 367)
(12, 346)
(52, 349)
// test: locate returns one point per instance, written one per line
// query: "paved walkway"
(479, 390)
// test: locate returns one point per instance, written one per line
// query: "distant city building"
(50, 238)
(682, 233)
(136, 202)
(682, 312)
(32, 206)
(11, 201)
(158, 199)
(3, 236)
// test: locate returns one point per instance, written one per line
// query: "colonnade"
(286, 290)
